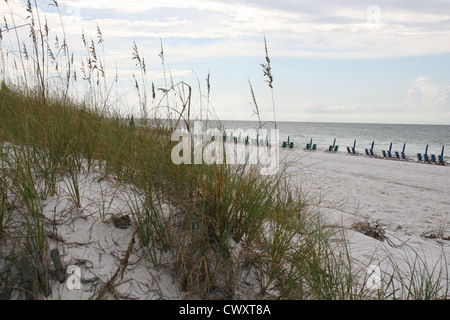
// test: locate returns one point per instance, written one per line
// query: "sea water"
(415, 138)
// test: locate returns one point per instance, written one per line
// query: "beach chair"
(425, 155)
(310, 145)
(354, 148)
(433, 159)
(369, 152)
(401, 155)
(348, 150)
(419, 157)
(388, 154)
(336, 148)
(314, 147)
(441, 157)
(384, 154)
(289, 145)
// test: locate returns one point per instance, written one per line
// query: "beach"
(406, 202)
(409, 201)
(414, 196)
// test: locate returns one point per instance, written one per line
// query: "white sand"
(406, 198)
(88, 239)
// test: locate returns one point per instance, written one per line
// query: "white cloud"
(424, 95)
(295, 28)
(322, 28)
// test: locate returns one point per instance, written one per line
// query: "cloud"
(424, 95)
(321, 28)
(295, 28)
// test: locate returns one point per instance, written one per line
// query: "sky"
(377, 61)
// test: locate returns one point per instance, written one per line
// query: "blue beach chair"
(419, 157)
(433, 159)
(388, 154)
(354, 148)
(371, 154)
(402, 155)
(441, 157)
(425, 155)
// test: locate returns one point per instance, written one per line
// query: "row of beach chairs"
(387, 154)
(312, 146)
(432, 158)
(288, 144)
(398, 155)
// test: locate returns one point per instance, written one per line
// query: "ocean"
(416, 138)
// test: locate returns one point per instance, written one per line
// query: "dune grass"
(227, 231)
